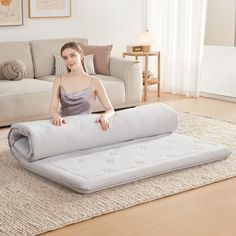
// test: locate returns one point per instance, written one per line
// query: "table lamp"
(146, 39)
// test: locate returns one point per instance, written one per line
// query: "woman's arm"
(109, 110)
(56, 118)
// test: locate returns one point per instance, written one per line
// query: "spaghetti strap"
(91, 83)
(60, 80)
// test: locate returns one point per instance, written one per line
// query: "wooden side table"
(148, 81)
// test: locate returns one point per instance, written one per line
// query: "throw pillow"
(89, 65)
(101, 57)
(13, 70)
(60, 68)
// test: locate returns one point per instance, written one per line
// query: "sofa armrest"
(130, 71)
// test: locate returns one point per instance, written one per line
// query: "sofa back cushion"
(43, 52)
(17, 51)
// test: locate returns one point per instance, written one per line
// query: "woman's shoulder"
(58, 80)
(96, 81)
(98, 84)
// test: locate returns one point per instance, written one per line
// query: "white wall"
(117, 22)
(218, 76)
(220, 24)
(112, 21)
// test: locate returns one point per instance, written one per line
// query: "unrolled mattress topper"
(140, 143)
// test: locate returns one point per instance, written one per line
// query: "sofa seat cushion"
(24, 99)
(28, 99)
(49, 78)
(115, 89)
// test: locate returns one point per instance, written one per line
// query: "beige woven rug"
(30, 205)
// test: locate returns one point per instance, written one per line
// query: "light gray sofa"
(28, 99)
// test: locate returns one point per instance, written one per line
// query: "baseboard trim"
(218, 97)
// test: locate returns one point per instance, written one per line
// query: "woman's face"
(72, 58)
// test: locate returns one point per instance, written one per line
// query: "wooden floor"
(209, 210)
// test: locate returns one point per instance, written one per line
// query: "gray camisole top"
(77, 103)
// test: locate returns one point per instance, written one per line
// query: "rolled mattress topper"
(41, 139)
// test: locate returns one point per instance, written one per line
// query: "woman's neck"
(78, 72)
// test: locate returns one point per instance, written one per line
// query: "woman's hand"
(103, 122)
(58, 120)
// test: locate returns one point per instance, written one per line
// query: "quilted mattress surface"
(114, 163)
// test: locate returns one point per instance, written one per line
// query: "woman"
(77, 90)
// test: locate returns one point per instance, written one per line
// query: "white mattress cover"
(45, 140)
(99, 168)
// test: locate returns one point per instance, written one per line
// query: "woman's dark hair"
(77, 48)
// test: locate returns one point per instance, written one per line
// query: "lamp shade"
(147, 38)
